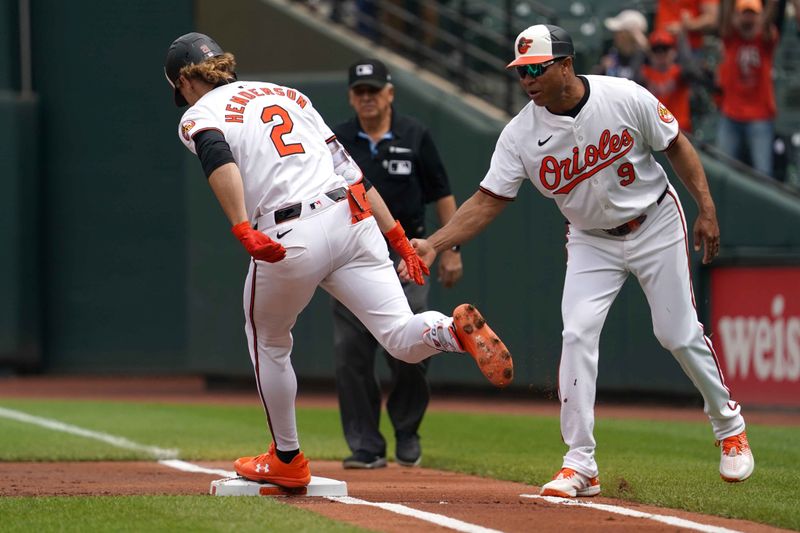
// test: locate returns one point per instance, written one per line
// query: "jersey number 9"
(625, 171)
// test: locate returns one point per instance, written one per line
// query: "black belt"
(293, 211)
(633, 225)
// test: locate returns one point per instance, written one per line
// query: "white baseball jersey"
(279, 143)
(598, 166)
(599, 169)
(277, 139)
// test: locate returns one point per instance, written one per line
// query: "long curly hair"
(214, 70)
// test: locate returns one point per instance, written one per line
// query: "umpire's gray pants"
(358, 386)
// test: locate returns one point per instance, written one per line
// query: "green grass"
(671, 464)
(159, 513)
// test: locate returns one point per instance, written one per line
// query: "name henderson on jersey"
(246, 96)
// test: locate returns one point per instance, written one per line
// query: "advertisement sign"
(755, 321)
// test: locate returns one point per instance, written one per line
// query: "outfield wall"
(118, 259)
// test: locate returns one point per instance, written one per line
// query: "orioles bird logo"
(186, 127)
(664, 113)
(524, 45)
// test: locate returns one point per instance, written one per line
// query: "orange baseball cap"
(661, 37)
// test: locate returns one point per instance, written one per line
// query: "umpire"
(397, 154)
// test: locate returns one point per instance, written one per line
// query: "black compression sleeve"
(367, 183)
(213, 150)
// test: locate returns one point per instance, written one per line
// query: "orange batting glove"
(258, 245)
(399, 243)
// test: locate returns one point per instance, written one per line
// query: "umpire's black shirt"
(404, 166)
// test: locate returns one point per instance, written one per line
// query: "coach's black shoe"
(364, 460)
(408, 451)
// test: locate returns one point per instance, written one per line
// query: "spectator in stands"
(627, 53)
(747, 105)
(669, 73)
(696, 17)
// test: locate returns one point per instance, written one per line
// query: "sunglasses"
(660, 49)
(534, 71)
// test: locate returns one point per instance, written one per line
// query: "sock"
(286, 457)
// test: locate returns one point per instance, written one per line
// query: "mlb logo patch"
(399, 167)
(364, 70)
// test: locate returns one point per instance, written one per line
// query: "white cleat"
(568, 483)
(736, 463)
(442, 336)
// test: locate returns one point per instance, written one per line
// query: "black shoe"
(365, 460)
(408, 451)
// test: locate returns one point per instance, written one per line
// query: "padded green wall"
(113, 206)
(134, 260)
(20, 304)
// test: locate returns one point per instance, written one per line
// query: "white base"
(238, 486)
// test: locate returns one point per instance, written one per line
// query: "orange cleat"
(478, 339)
(267, 468)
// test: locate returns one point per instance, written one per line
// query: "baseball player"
(299, 205)
(586, 142)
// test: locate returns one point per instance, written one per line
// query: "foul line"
(120, 442)
(439, 520)
(671, 520)
(191, 467)
(168, 458)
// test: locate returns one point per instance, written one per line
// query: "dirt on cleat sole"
(483, 344)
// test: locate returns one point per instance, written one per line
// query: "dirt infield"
(485, 502)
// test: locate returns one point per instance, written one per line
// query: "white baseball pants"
(351, 262)
(597, 266)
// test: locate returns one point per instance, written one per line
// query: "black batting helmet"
(192, 48)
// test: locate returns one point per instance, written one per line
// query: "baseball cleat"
(568, 483)
(267, 468)
(736, 463)
(364, 460)
(478, 339)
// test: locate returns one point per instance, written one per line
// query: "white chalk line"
(439, 520)
(177, 464)
(119, 442)
(671, 520)
(168, 458)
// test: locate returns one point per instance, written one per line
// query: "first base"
(238, 486)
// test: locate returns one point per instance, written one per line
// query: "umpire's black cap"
(192, 48)
(370, 72)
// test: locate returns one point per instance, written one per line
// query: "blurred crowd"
(726, 86)
(671, 61)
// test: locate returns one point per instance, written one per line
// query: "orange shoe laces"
(263, 458)
(565, 473)
(737, 441)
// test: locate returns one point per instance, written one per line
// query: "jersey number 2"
(279, 130)
(625, 171)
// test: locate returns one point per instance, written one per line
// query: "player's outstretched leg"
(467, 331)
(268, 468)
